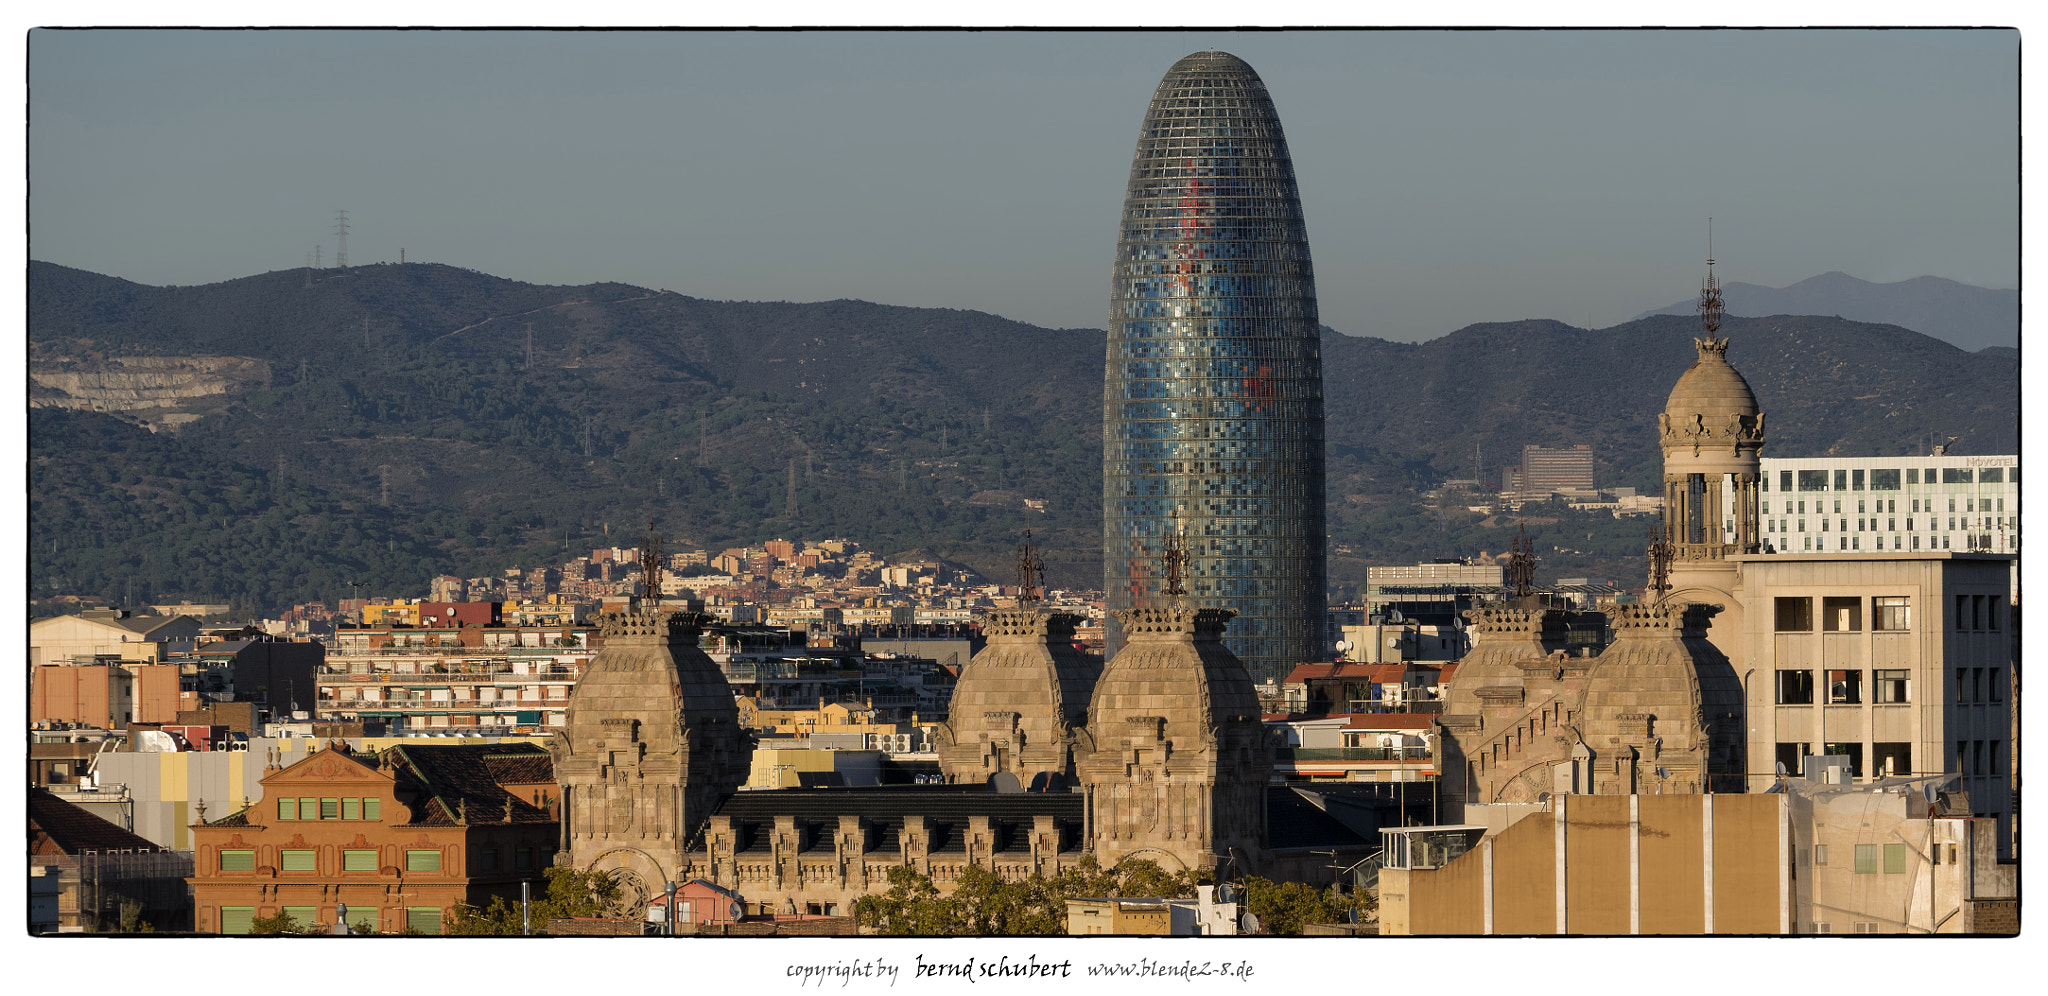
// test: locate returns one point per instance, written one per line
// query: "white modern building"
(1927, 503)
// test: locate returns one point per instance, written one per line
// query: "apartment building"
(1840, 504)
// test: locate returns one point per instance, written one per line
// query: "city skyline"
(1464, 176)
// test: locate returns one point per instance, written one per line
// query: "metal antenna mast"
(341, 240)
(316, 257)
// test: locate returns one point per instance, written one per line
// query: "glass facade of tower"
(1213, 399)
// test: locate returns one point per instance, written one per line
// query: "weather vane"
(1176, 556)
(1710, 291)
(1030, 573)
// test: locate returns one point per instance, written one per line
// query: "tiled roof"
(1444, 672)
(238, 818)
(521, 769)
(457, 782)
(75, 831)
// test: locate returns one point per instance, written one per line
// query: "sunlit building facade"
(1213, 399)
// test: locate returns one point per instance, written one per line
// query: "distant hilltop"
(1970, 318)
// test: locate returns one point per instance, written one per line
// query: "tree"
(568, 893)
(984, 904)
(281, 923)
(1284, 907)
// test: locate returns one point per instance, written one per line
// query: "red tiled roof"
(1444, 673)
(1390, 721)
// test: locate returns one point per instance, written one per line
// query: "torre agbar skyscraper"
(1213, 397)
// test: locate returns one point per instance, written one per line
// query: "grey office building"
(1213, 398)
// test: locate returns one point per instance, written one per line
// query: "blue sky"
(1448, 177)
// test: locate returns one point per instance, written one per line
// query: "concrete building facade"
(1890, 504)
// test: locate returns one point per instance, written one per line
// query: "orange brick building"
(399, 838)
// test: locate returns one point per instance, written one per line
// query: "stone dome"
(1710, 388)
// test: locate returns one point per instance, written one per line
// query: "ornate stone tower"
(652, 744)
(1711, 432)
(1174, 759)
(1018, 702)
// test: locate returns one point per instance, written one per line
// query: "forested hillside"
(426, 419)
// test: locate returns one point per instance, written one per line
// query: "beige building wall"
(1958, 664)
(1612, 865)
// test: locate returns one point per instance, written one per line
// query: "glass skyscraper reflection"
(1213, 399)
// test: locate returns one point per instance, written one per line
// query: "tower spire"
(1176, 556)
(1710, 291)
(1030, 573)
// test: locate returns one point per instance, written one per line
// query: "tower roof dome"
(1710, 387)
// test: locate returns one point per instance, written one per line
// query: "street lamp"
(668, 924)
(341, 920)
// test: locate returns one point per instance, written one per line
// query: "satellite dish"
(1248, 923)
(1343, 645)
(1393, 641)
(1004, 782)
(734, 911)
(1781, 769)
(1224, 893)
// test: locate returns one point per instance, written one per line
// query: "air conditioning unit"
(1821, 928)
(1866, 926)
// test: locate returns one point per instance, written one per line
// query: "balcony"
(1383, 754)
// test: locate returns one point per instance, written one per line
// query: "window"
(1962, 612)
(1994, 756)
(370, 805)
(423, 919)
(1795, 687)
(486, 859)
(351, 809)
(1890, 613)
(1991, 475)
(1868, 926)
(1791, 757)
(359, 861)
(238, 861)
(1991, 685)
(1841, 614)
(1841, 481)
(1884, 480)
(1866, 859)
(1845, 688)
(1955, 475)
(1784, 480)
(297, 861)
(1822, 927)
(236, 919)
(1977, 753)
(287, 809)
(1820, 855)
(307, 809)
(1894, 759)
(1794, 615)
(330, 809)
(303, 917)
(1893, 686)
(1855, 480)
(1951, 507)
(1854, 752)
(1895, 859)
(1813, 480)
(1913, 476)
(524, 857)
(423, 861)
(1838, 507)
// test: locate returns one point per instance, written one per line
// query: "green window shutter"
(298, 861)
(238, 861)
(330, 809)
(370, 806)
(1866, 859)
(309, 809)
(303, 917)
(423, 861)
(359, 861)
(423, 919)
(1895, 859)
(360, 918)
(351, 809)
(287, 809)
(235, 919)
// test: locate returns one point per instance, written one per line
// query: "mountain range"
(274, 438)
(1970, 318)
